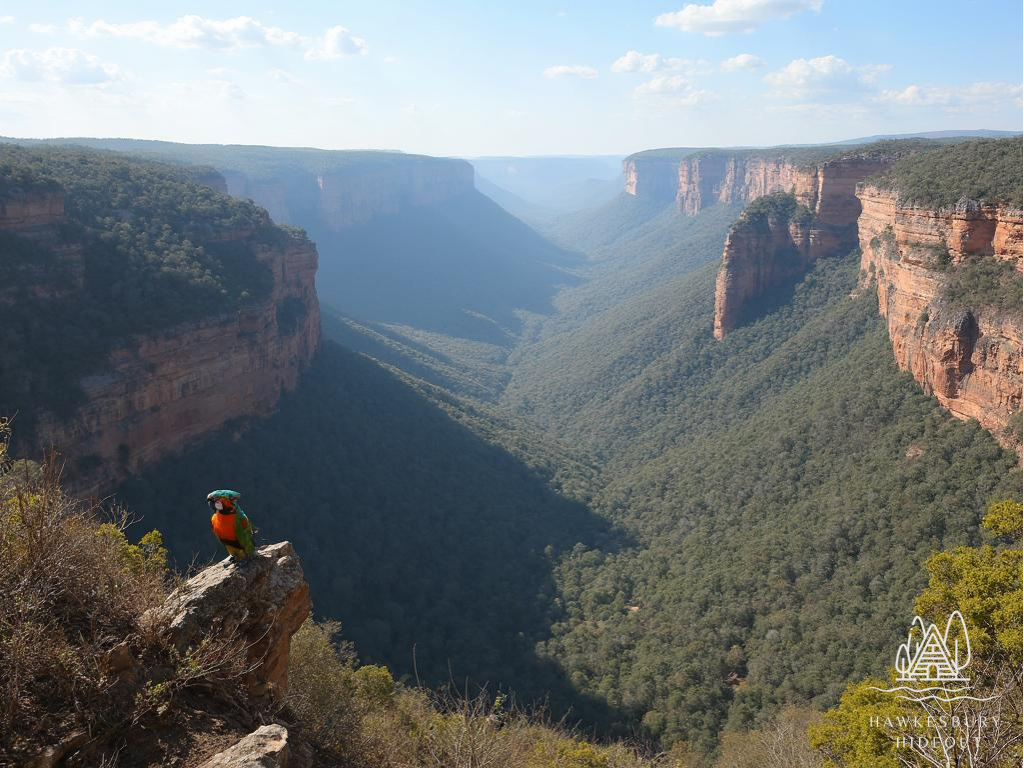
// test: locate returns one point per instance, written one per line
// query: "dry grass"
(359, 717)
(73, 658)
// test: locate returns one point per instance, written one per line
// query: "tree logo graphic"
(930, 665)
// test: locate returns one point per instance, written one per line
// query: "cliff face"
(355, 194)
(162, 392)
(651, 177)
(758, 256)
(51, 268)
(826, 188)
(27, 209)
(699, 180)
(969, 357)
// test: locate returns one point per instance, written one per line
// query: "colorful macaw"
(230, 524)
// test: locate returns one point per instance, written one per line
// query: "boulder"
(266, 747)
(261, 602)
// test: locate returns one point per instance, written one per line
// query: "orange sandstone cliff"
(968, 354)
(761, 253)
(161, 392)
(698, 179)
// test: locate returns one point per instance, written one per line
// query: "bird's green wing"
(243, 530)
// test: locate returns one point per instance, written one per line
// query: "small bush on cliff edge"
(72, 588)
(361, 718)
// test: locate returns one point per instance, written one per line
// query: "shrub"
(72, 592)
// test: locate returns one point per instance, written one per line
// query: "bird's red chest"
(224, 526)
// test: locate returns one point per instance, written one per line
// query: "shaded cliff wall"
(968, 354)
(342, 197)
(760, 253)
(51, 267)
(651, 177)
(25, 210)
(160, 392)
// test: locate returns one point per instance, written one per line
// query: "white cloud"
(660, 84)
(42, 29)
(692, 97)
(58, 65)
(337, 101)
(565, 70)
(674, 89)
(954, 96)
(6, 19)
(337, 42)
(634, 61)
(822, 78)
(723, 17)
(742, 61)
(224, 34)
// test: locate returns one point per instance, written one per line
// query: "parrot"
(230, 524)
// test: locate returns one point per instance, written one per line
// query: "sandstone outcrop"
(651, 176)
(262, 603)
(24, 209)
(161, 392)
(696, 180)
(49, 266)
(969, 357)
(266, 747)
(762, 254)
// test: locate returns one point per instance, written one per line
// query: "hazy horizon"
(539, 79)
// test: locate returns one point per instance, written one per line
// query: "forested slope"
(739, 525)
(424, 528)
(783, 489)
(781, 546)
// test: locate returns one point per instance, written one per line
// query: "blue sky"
(528, 77)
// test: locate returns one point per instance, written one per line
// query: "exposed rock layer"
(162, 392)
(761, 256)
(261, 602)
(21, 210)
(266, 747)
(651, 177)
(969, 357)
(49, 266)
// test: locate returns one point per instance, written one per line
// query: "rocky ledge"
(262, 602)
